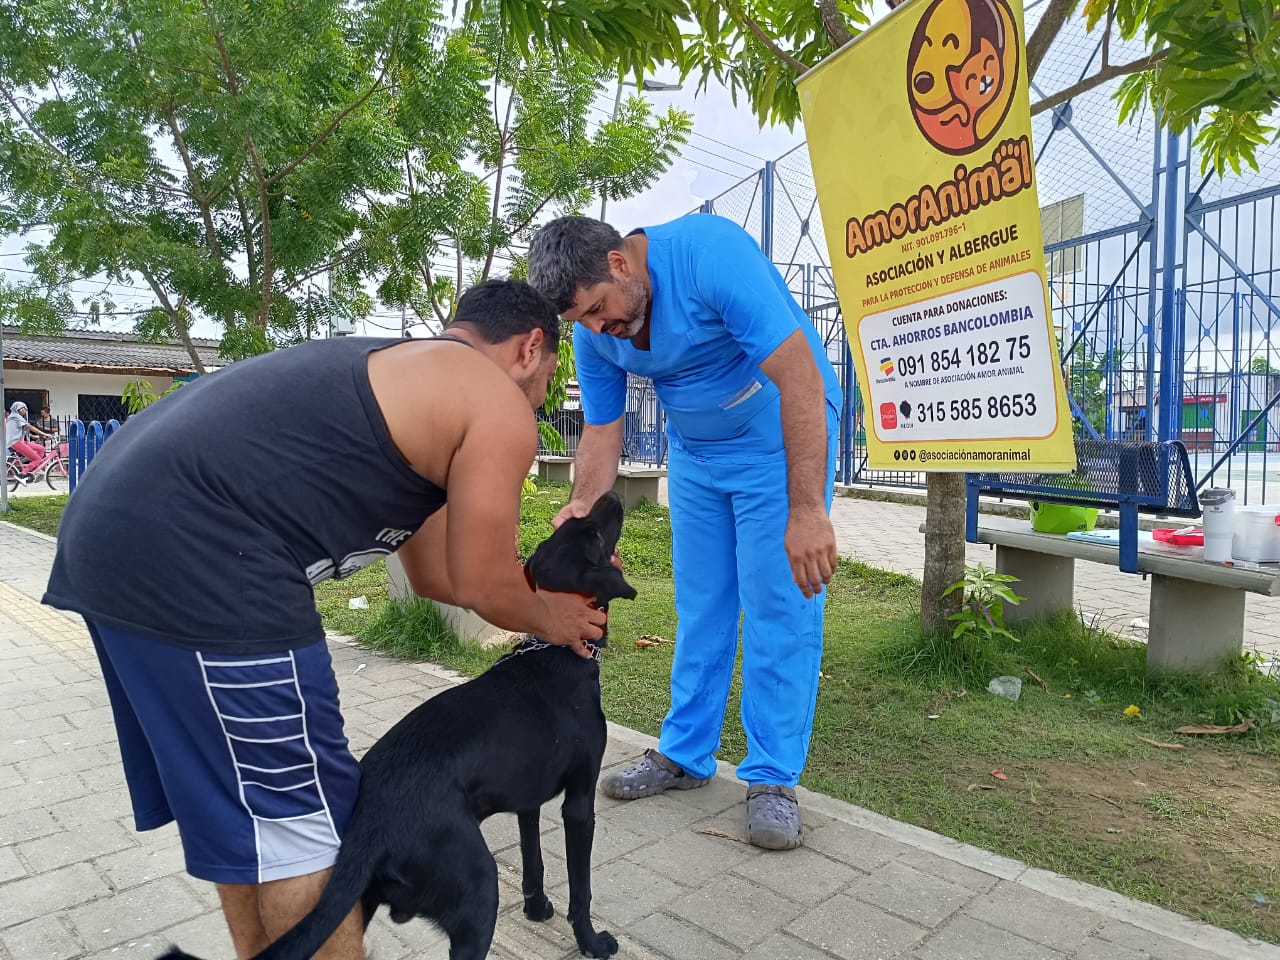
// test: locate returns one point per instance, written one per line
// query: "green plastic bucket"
(1061, 517)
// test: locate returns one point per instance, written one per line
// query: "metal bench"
(1195, 616)
(1196, 612)
(1125, 475)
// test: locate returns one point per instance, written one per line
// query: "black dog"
(527, 729)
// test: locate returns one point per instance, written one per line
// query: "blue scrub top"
(720, 307)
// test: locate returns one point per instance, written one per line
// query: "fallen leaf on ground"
(998, 775)
(979, 786)
(650, 640)
(1164, 746)
(1202, 729)
(713, 832)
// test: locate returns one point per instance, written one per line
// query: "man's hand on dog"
(811, 549)
(571, 621)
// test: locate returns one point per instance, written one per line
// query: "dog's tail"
(345, 889)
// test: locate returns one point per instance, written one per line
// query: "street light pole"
(646, 86)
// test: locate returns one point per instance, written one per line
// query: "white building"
(82, 375)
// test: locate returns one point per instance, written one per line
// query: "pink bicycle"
(54, 469)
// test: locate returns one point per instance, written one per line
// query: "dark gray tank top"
(206, 520)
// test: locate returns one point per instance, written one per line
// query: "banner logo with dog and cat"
(919, 135)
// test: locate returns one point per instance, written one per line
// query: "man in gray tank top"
(191, 549)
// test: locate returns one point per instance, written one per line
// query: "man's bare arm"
(810, 539)
(482, 570)
(423, 559)
(595, 466)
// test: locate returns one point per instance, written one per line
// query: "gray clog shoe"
(773, 817)
(650, 775)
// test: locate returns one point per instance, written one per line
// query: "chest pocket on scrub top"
(738, 415)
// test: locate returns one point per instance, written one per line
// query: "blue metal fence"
(83, 442)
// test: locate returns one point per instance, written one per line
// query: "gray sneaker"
(650, 775)
(773, 817)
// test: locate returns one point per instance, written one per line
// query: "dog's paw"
(600, 945)
(538, 908)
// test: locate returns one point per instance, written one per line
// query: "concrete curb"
(35, 533)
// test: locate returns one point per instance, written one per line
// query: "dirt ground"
(1202, 823)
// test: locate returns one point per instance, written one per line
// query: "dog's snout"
(923, 83)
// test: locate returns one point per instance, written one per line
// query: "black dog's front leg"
(536, 905)
(579, 813)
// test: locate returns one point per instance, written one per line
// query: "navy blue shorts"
(245, 751)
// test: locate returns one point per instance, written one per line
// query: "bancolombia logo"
(1009, 172)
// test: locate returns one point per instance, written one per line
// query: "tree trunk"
(943, 550)
(184, 334)
(944, 515)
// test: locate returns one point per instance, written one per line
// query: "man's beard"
(531, 385)
(637, 309)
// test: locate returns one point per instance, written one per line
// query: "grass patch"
(37, 513)
(416, 630)
(333, 598)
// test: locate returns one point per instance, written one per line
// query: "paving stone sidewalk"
(77, 882)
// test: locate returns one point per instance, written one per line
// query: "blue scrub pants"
(728, 523)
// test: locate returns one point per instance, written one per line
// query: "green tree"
(1212, 63)
(213, 150)
(265, 165)
(1261, 365)
(1088, 371)
(512, 142)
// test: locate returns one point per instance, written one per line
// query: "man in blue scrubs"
(752, 405)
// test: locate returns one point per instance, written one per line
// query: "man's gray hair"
(568, 254)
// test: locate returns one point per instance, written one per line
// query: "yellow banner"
(920, 138)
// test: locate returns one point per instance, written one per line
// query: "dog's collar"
(533, 644)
